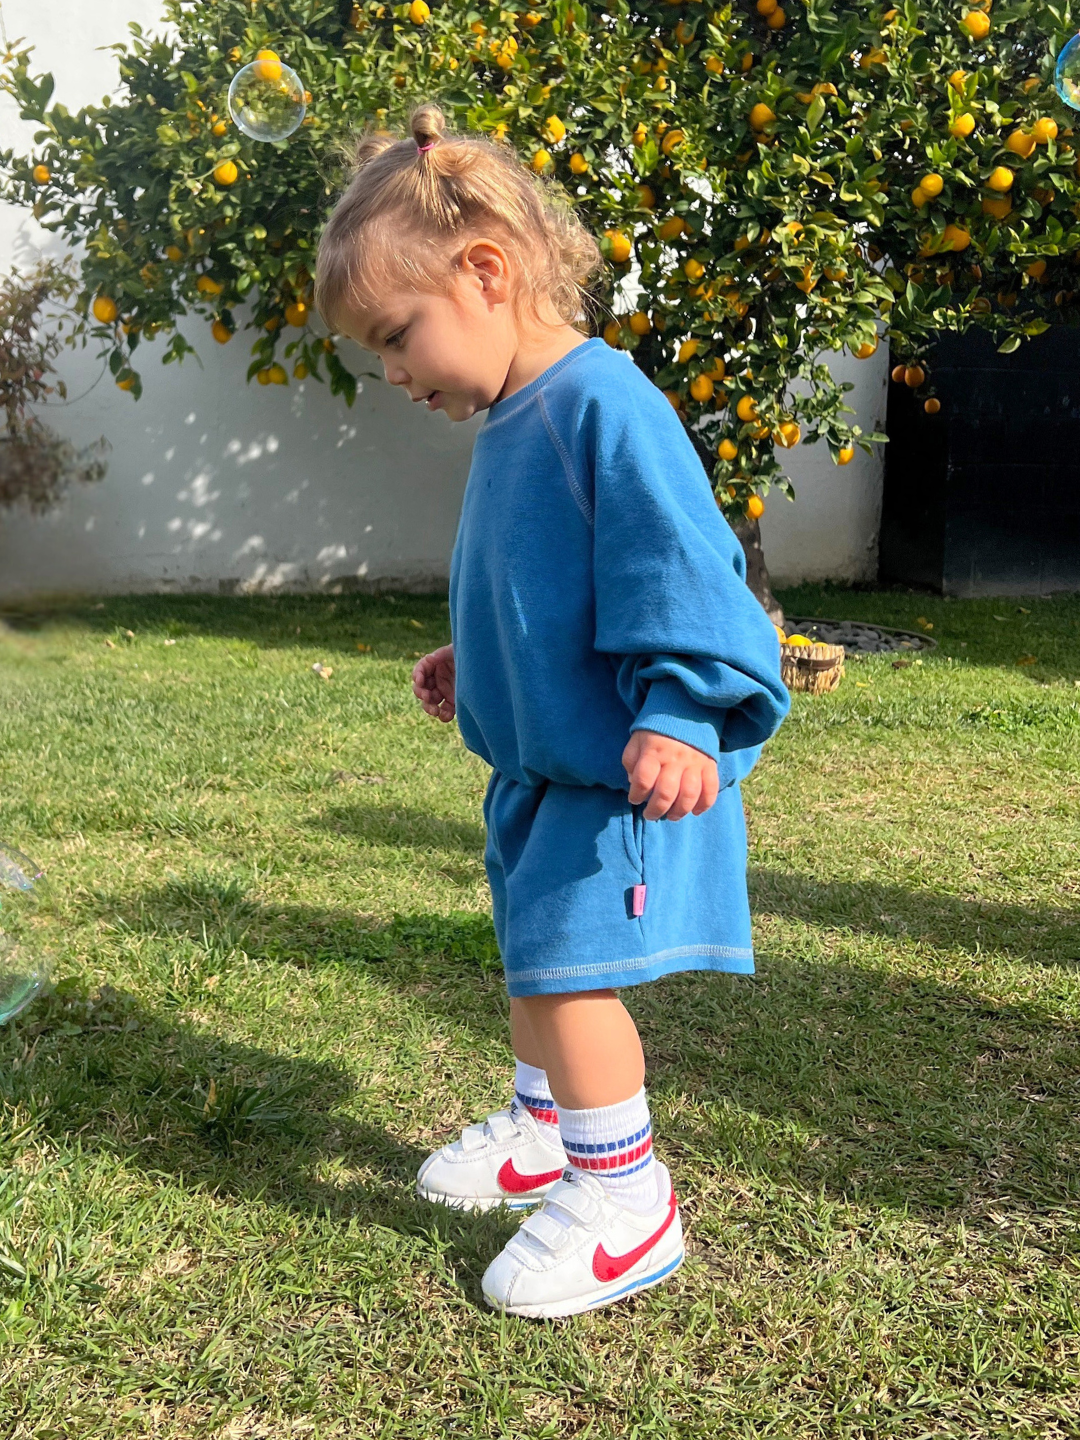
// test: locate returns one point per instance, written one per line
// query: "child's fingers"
(710, 789)
(665, 791)
(688, 796)
(643, 775)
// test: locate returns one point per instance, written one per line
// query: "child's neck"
(537, 351)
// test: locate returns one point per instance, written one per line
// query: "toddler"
(609, 664)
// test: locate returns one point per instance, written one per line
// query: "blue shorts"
(588, 895)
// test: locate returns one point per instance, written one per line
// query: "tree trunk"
(757, 573)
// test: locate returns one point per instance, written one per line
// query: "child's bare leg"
(586, 1042)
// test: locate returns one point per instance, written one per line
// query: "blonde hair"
(411, 203)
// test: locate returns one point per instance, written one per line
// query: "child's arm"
(433, 683)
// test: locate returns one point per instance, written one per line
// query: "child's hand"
(681, 780)
(433, 683)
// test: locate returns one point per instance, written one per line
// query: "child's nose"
(396, 374)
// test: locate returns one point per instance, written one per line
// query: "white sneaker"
(590, 1252)
(506, 1160)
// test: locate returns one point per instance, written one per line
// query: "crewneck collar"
(502, 408)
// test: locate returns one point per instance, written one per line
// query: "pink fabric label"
(639, 899)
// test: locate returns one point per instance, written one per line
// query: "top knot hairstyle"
(412, 203)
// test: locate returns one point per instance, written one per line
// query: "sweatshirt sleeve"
(696, 656)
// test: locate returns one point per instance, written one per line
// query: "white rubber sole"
(480, 1204)
(603, 1295)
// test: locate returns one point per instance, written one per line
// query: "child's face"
(449, 351)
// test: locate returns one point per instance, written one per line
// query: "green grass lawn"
(277, 990)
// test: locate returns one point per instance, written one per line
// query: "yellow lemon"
(226, 173)
(693, 269)
(105, 309)
(1000, 178)
(208, 286)
(418, 12)
(671, 229)
(671, 141)
(553, 129)
(962, 126)
(620, 246)
(846, 455)
(746, 409)
(687, 350)
(540, 161)
(760, 116)
(1020, 143)
(727, 450)
(755, 507)
(267, 66)
(931, 185)
(578, 164)
(798, 640)
(296, 313)
(42, 174)
(613, 333)
(221, 332)
(1044, 130)
(976, 24)
(788, 435)
(277, 375)
(701, 388)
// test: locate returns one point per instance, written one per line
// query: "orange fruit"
(693, 269)
(620, 246)
(221, 332)
(578, 164)
(997, 205)
(173, 252)
(845, 455)
(931, 185)
(1037, 269)
(714, 65)
(687, 350)
(864, 351)
(976, 24)
(957, 80)
(1021, 143)
(267, 66)
(760, 116)
(613, 333)
(300, 370)
(701, 388)
(746, 409)
(126, 382)
(717, 372)
(671, 229)
(105, 309)
(640, 323)
(672, 139)
(1000, 178)
(727, 450)
(766, 7)
(277, 375)
(914, 375)
(226, 173)
(755, 507)
(540, 161)
(263, 376)
(932, 406)
(776, 20)
(898, 373)
(42, 174)
(208, 286)
(746, 62)
(674, 399)
(296, 314)
(955, 237)
(553, 130)
(646, 196)
(788, 435)
(919, 197)
(962, 126)
(419, 12)
(1044, 130)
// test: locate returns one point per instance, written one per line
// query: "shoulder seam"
(580, 498)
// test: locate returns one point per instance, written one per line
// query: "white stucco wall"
(214, 483)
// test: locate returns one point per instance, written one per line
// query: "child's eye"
(395, 338)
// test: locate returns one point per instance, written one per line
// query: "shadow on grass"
(167, 1097)
(866, 1083)
(394, 627)
(401, 826)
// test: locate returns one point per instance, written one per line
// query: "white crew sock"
(532, 1093)
(613, 1144)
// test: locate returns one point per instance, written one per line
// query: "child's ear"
(489, 264)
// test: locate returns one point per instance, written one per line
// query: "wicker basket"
(816, 668)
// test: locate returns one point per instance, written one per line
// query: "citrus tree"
(771, 180)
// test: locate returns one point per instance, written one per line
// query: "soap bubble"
(266, 99)
(24, 968)
(1067, 73)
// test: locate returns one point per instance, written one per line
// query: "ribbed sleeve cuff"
(671, 711)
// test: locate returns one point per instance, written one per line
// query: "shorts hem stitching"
(621, 967)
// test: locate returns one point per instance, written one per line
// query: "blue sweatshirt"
(595, 588)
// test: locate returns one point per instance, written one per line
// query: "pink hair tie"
(429, 146)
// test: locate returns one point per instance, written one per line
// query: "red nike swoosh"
(610, 1267)
(515, 1184)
